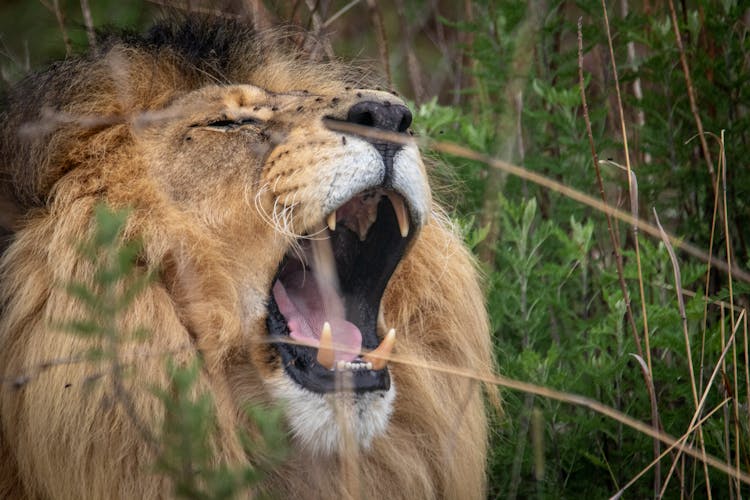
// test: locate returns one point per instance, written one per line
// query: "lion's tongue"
(306, 306)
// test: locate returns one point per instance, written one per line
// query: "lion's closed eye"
(228, 124)
(288, 255)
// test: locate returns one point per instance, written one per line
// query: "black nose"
(382, 115)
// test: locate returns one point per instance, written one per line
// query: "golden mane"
(141, 123)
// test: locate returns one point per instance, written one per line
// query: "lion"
(293, 260)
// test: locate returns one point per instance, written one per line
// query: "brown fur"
(115, 130)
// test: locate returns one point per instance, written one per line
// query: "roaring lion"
(292, 259)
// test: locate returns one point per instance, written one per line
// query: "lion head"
(292, 258)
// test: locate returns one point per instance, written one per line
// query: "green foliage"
(114, 283)
(553, 294)
(557, 310)
(184, 445)
(185, 442)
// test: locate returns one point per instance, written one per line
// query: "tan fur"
(203, 203)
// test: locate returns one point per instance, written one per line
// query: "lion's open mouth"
(327, 294)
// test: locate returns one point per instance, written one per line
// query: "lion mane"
(216, 141)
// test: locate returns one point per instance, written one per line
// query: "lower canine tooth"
(326, 357)
(331, 221)
(379, 356)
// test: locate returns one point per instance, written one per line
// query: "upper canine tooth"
(331, 221)
(326, 357)
(363, 227)
(379, 356)
(381, 319)
(401, 215)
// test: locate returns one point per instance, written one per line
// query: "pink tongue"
(305, 311)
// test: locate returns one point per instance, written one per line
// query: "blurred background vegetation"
(501, 77)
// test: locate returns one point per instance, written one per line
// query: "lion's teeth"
(379, 356)
(326, 356)
(363, 227)
(356, 365)
(331, 221)
(401, 214)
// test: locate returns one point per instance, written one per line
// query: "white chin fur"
(316, 419)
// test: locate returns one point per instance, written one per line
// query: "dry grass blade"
(691, 94)
(343, 10)
(658, 459)
(632, 185)
(727, 240)
(633, 189)
(412, 60)
(747, 361)
(88, 20)
(541, 180)
(60, 17)
(565, 397)
(610, 227)
(688, 352)
(188, 7)
(655, 420)
(727, 236)
(712, 236)
(377, 21)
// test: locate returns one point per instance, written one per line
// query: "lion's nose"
(382, 115)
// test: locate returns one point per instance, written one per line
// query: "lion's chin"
(325, 424)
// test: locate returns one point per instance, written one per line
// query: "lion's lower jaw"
(320, 423)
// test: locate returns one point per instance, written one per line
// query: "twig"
(412, 61)
(260, 16)
(520, 66)
(377, 21)
(640, 117)
(193, 8)
(465, 45)
(691, 95)
(30, 373)
(123, 396)
(319, 40)
(60, 16)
